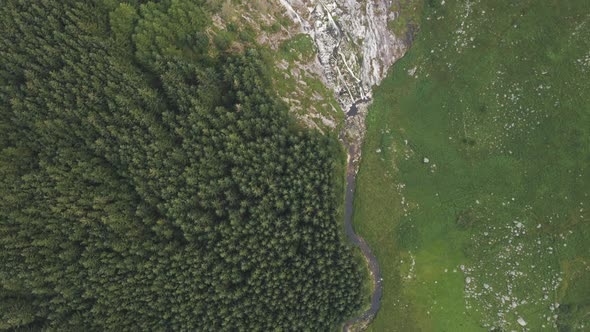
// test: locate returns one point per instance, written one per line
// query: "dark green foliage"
(223, 40)
(122, 23)
(168, 191)
(172, 28)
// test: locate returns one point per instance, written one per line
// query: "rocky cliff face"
(355, 48)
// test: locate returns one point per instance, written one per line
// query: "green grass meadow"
(474, 185)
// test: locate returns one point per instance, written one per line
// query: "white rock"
(468, 280)
(355, 46)
(426, 160)
(521, 321)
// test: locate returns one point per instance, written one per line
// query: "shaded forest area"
(151, 181)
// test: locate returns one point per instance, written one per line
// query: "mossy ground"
(307, 96)
(476, 204)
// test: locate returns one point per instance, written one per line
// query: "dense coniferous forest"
(151, 181)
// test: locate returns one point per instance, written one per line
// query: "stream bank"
(366, 317)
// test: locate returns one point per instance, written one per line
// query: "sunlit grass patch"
(479, 146)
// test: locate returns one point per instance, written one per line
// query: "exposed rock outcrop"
(355, 46)
(355, 49)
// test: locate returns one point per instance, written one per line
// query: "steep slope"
(150, 179)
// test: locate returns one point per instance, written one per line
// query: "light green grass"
(306, 94)
(299, 47)
(408, 17)
(499, 104)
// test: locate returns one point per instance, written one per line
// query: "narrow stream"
(362, 244)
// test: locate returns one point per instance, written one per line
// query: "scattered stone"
(521, 321)
(426, 160)
(355, 47)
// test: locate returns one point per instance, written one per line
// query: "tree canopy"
(148, 182)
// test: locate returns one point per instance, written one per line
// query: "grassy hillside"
(473, 188)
